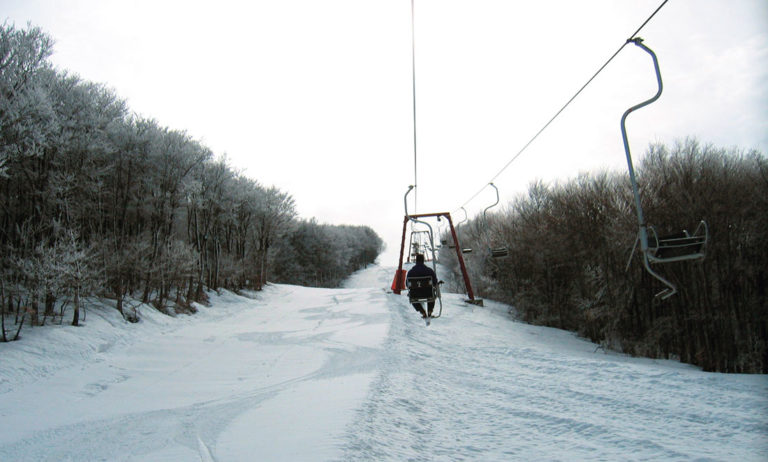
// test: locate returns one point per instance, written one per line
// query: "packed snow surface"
(307, 374)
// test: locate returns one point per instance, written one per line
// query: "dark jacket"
(420, 269)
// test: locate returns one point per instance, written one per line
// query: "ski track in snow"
(475, 386)
(353, 374)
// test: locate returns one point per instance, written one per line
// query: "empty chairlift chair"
(677, 247)
(681, 246)
(496, 250)
(421, 243)
(448, 243)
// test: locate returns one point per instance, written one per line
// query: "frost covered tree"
(172, 155)
(79, 275)
(207, 199)
(322, 255)
(274, 215)
(97, 201)
(25, 111)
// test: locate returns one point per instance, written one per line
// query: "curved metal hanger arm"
(643, 235)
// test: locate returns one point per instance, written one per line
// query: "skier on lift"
(421, 270)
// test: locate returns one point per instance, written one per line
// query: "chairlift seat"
(463, 250)
(421, 289)
(680, 246)
(499, 252)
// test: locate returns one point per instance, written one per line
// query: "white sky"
(315, 96)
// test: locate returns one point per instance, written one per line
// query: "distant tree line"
(569, 245)
(97, 201)
(319, 255)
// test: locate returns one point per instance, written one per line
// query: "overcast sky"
(315, 96)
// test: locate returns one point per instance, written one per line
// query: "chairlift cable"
(413, 83)
(557, 114)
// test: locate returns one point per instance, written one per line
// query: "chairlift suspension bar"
(643, 230)
(492, 205)
(466, 218)
(496, 251)
(413, 86)
(632, 178)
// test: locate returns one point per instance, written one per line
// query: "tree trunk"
(35, 320)
(118, 291)
(145, 295)
(190, 290)
(263, 266)
(50, 301)
(76, 302)
(18, 331)
(2, 312)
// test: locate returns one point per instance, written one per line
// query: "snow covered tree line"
(569, 245)
(97, 201)
(319, 255)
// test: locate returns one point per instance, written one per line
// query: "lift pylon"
(399, 283)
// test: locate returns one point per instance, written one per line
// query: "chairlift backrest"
(421, 288)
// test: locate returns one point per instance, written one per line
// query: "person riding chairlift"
(421, 270)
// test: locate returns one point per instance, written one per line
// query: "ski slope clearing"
(353, 374)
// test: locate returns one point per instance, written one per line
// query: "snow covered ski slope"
(352, 374)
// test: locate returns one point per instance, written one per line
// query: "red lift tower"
(399, 283)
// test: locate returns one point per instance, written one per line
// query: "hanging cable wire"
(564, 106)
(413, 82)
